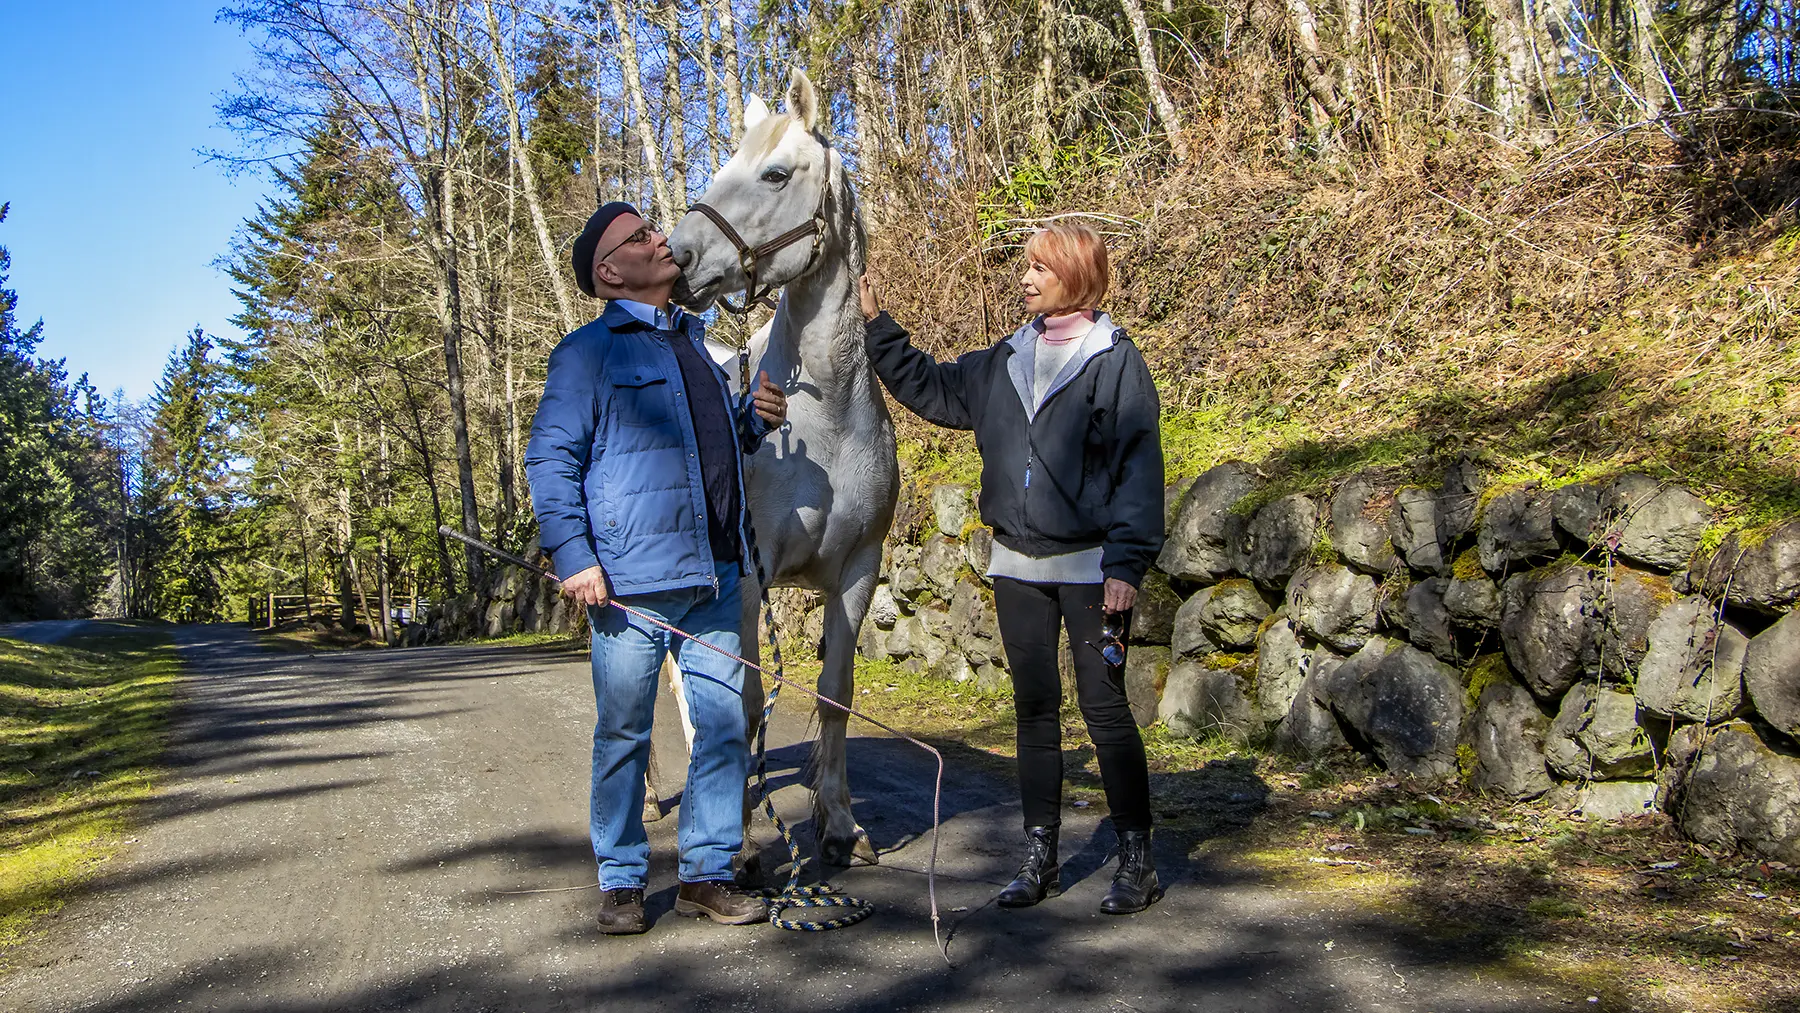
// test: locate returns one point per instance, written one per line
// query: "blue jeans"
(627, 655)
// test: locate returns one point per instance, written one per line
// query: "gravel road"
(352, 830)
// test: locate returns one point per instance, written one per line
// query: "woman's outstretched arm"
(933, 390)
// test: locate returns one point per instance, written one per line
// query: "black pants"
(1029, 614)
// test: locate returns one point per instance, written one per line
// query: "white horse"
(821, 492)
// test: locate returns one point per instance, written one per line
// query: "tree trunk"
(383, 552)
(992, 73)
(386, 589)
(1514, 92)
(507, 445)
(1455, 60)
(601, 135)
(451, 317)
(674, 107)
(1646, 70)
(1314, 69)
(509, 95)
(710, 77)
(1707, 47)
(1043, 90)
(732, 48)
(426, 465)
(346, 561)
(646, 133)
(1159, 96)
(874, 142)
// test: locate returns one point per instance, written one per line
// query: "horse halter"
(751, 257)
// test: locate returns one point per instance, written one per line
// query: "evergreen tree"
(185, 499)
(53, 540)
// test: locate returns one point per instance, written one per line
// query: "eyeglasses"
(642, 235)
(1112, 639)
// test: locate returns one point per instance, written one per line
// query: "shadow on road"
(472, 890)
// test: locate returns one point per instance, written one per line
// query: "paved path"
(342, 829)
(45, 631)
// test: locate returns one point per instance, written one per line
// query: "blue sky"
(116, 220)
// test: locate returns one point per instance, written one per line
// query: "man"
(636, 472)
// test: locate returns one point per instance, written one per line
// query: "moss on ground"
(82, 728)
(1629, 911)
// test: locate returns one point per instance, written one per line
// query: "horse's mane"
(762, 138)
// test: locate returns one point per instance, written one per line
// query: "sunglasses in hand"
(1112, 638)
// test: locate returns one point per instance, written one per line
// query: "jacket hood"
(1101, 337)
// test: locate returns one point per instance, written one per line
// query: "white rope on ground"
(938, 788)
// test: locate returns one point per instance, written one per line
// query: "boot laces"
(1131, 863)
(1037, 856)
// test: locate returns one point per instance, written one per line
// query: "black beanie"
(583, 257)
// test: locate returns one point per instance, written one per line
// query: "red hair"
(1076, 254)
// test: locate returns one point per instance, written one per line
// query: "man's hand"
(871, 306)
(587, 587)
(770, 402)
(1120, 596)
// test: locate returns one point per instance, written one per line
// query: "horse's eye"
(775, 174)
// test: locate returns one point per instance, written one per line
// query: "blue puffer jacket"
(613, 463)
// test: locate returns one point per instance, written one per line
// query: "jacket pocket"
(641, 397)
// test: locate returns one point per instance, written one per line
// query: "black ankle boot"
(1040, 876)
(1134, 887)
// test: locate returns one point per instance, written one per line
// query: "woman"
(1065, 416)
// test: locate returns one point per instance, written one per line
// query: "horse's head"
(782, 179)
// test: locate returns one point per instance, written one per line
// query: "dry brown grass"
(1610, 301)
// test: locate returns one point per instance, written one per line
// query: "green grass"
(569, 640)
(82, 726)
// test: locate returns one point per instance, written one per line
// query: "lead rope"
(802, 894)
(794, 895)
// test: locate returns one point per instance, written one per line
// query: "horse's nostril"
(683, 258)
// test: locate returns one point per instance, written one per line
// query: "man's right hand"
(587, 587)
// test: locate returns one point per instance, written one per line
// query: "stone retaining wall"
(1526, 639)
(1575, 640)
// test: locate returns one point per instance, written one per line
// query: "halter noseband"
(750, 257)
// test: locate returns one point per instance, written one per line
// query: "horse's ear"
(803, 100)
(754, 112)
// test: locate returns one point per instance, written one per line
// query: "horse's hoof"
(846, 851)
(748, 872)
(653, 810)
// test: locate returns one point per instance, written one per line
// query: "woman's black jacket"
(1085, 469)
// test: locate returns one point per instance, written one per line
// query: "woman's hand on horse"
(871, 306)
(1119, 595)
(771, 403)
(587, 587)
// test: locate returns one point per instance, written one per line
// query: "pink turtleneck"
(1067, 327)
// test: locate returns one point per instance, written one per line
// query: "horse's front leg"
(671, 681)
(841, 840)
(749, 864)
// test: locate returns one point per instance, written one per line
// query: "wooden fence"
(271, 610)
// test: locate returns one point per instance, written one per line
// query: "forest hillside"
(1558, 236)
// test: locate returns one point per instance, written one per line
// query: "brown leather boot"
(721, 900)
(622, 911)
